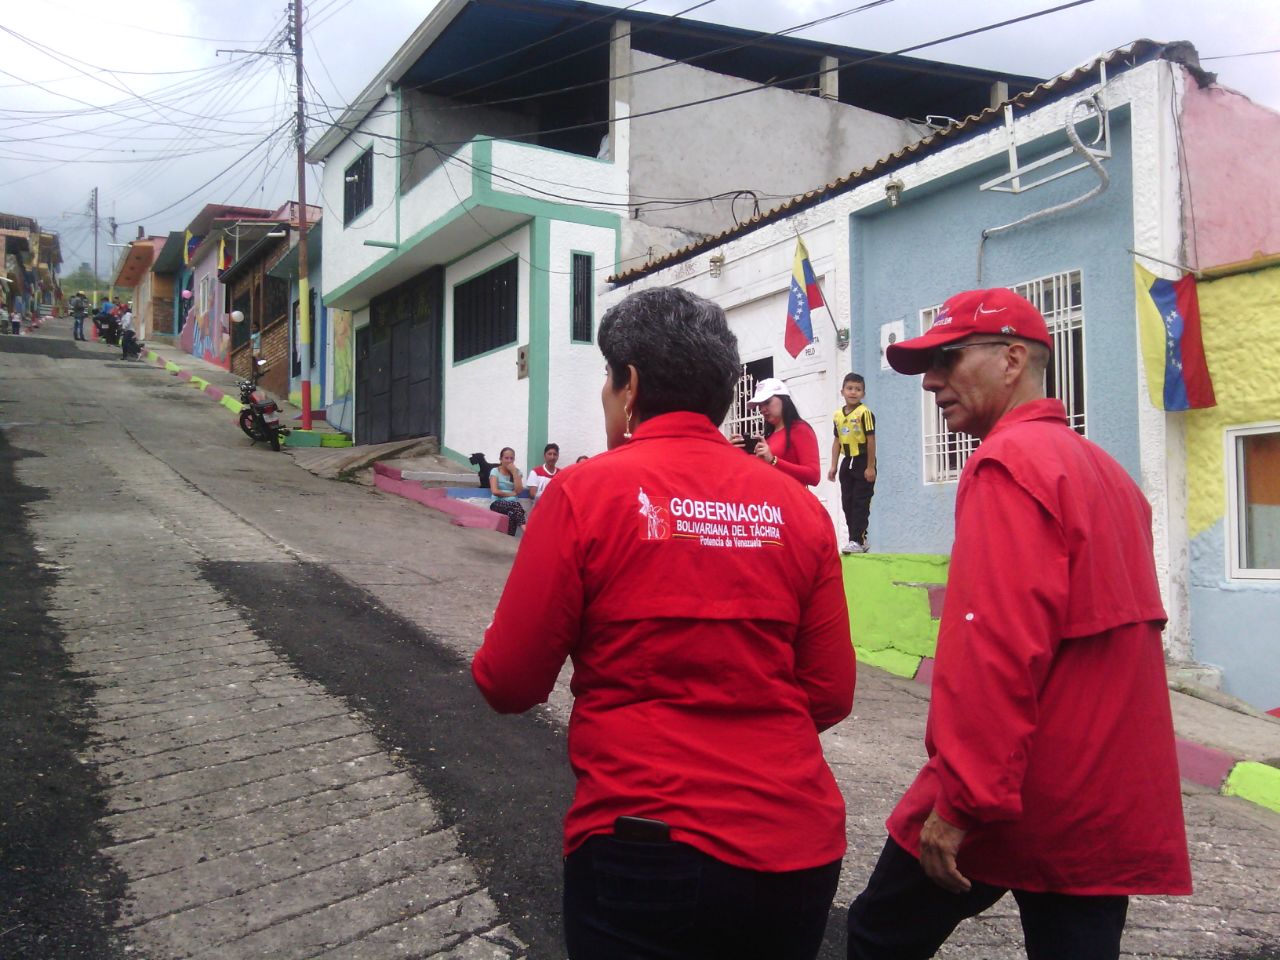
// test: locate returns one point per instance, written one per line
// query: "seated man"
(541, 475)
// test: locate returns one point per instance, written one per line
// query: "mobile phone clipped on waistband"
(641, 830)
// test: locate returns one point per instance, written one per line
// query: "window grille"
(484, 311)
(357, 187)
(741, 418)
(581, 281)
(1059, 298)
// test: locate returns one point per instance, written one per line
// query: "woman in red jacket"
(790, 443)
(700, 600)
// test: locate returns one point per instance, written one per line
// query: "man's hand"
(939, 844)
(870, 474)
(831, 474)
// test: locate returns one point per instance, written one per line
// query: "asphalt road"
(237, 719)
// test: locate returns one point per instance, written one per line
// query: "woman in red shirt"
(790, 443)
(700, 600)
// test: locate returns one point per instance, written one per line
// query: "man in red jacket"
(1051, 769)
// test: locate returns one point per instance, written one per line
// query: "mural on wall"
(205, 333)
(342, 410)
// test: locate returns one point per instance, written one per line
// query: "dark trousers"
(855, 495)
(903, 915)
(669, 901)
(513, 511)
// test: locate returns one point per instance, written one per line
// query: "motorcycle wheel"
(275, 440)
(249, 427)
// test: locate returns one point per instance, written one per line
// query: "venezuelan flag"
(1172, 350)
(805, 295)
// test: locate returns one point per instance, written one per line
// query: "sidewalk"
(223, 386)
(1224, 746)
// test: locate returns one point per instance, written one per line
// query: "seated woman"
(505, 484)
(698, 594)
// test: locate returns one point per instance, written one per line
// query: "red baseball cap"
(998, 311)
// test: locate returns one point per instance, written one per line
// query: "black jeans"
(628, 901)
(903, 915)
(855, 495)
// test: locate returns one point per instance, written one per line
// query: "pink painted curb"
(460, 514)
(382, 470)
(1206, 766)
(214, 392)
(183, 374)
(924, 673)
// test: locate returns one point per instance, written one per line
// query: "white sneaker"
(853, 546)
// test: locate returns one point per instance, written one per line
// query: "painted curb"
(460, 514)
(1256, 782)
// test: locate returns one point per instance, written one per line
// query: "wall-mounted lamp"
(893, 191)
(353, 178)
(278, 233)
(716, 263)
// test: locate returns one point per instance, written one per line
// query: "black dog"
(484, 466)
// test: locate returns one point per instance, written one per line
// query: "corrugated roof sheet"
(1138, 52)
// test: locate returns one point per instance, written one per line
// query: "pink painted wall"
(1230, 146)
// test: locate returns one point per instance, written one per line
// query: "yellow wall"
(1240, 321)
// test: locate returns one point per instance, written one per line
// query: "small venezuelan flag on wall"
(1172, 350)
(805, 296)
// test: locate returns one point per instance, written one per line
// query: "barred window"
(743, 419)
(357, 187)
(484, 311)
(1060, 300)
(581, 281)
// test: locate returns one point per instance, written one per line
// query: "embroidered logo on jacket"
(713, 523)
(654, 518)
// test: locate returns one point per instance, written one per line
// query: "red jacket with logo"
(1050, 737)
(699, 595)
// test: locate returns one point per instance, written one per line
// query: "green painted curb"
(1256, 782)
(305, 438)
(231, 403)
(888, 609)
(891, 661)
(198, 383)
(152, 356)
(335, 440)
(171, 366)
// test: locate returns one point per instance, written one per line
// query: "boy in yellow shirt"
(855, 438)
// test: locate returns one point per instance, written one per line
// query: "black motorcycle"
(108, 328)
(260, 417)
(130, 346)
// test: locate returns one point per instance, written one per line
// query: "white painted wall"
(486, 407)
(555, 176)
(447, 187)
(574, 416)
(345, 254)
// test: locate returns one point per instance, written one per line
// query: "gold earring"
(627, 433)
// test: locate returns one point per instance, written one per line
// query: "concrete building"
(152, 292)
(1008, 198)
(514, 154)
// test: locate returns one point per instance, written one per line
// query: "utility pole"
(111, 287)
(93, 205)
(304, 283)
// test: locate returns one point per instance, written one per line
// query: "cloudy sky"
(136, 99)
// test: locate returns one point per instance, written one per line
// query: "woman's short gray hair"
(681, 346)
